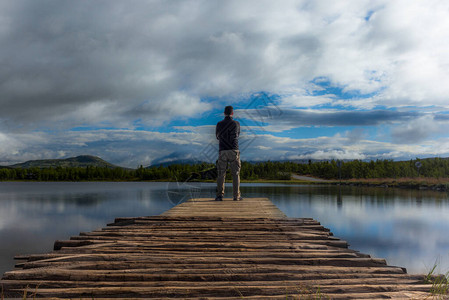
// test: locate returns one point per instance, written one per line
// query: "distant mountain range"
(81, 161)
(175, 162)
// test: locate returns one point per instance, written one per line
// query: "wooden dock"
(205, 249)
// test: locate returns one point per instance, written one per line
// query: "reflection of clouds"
(34, 215)
(385, 223)
(8, 212)
(405, 233)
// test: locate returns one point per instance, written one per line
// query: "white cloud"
(418, 130)
(263, 147)
(306, 100)
(413, 36)
(352, 145)
(184, 105)
(331, 154)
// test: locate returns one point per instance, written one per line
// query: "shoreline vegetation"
(431, 173)
(419, 183)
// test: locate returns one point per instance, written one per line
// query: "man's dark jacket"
(227, 132)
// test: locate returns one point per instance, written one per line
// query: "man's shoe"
(219, 198)
(238, 199)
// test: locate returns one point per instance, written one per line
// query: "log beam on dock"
(205, 249)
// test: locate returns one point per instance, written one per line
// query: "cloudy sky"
(139, 82)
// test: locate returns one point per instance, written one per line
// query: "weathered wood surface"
(203, 249)
(249, 209)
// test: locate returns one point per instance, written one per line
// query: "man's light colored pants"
(233, 158)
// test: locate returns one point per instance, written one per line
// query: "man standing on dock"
(227, 133)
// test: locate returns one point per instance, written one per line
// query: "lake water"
(409, 228)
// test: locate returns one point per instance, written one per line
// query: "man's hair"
(228, 110)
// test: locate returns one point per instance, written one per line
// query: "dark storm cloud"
(58, 56)
(297, 118)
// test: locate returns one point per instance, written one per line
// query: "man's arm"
(217, 131)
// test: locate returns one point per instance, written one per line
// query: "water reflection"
(339, 199)
(407, 227)
(34, 215)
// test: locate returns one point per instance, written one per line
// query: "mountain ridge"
(80, 161)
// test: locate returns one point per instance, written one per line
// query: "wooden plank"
(204, 291)
(112, 269)
(330, 284)
(210, 250)
(249, 208)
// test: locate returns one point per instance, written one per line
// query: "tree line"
(268, 170)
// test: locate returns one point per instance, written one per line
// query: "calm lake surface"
(409, 228)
